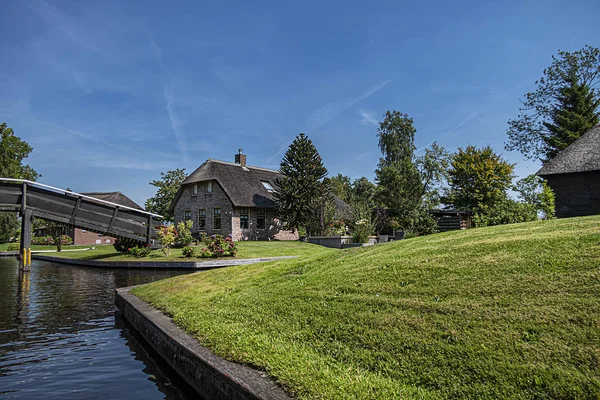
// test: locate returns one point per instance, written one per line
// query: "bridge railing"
(75, 194)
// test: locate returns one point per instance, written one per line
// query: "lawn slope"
(500, 312)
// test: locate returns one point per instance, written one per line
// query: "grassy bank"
(249, 249)
(501, 312)
(4, 247)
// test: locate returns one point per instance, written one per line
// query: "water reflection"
(59, 337)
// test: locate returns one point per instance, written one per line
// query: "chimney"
(240, 158)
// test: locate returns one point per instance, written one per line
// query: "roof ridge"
(239, 165)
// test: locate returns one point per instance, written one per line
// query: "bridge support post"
(149, 231)
(25, 259)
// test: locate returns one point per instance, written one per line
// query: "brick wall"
(230, 216)
(82, 237)
(207, 201)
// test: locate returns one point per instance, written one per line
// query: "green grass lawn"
(501, 312)
(248, 249)
(4, 246)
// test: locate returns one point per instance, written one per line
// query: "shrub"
(49, 240)
(166, 236)
(362, 230)
(184, 233)
(507, 212)
(188, 251)
(218, 246)
(13, 247)
(123, 245)
(139, 252)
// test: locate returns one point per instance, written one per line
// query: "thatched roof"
(243, 185)
(581, 156)
(115, 197)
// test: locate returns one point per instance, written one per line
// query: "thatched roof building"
(574, 176)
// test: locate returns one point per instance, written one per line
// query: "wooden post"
(149, 230)
(25, 261)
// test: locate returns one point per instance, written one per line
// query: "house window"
(244, 214)
(217, 219)
(209, 187)
(195, 191)
(261, 218)
(187, 215)
(267, 185)
(202, 219)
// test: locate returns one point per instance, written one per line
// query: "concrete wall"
(210, 376)
(230, 215)
(576, 194)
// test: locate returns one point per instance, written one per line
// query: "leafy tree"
(168, 185)
(507, 211)
(302, 185)
(398, 179)
(479, 179)
(13, 151)
(433, 168)
(341, 186)
(533, 190)
(561, 109)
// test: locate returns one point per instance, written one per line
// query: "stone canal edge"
(209, 375)
(197, 265)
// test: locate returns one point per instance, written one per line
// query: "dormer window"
(195, 191)
(209, 187)
(267, 185)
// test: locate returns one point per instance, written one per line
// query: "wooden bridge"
(32, 199)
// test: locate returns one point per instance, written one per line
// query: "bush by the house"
(507, 212)
(167, 234)
(362, 230)
(123, 245)
(218, 246)
(139, 252)
(188, 251)
(49, 240)
(184, 232)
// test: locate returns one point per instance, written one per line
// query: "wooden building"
(452, 220)
(574, 176)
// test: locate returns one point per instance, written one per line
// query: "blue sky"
(111, 93)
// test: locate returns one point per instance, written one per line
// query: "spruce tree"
(301, 188)
(572, 116)
(563, 107)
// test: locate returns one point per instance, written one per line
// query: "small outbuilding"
(574, 176)
(452, 220)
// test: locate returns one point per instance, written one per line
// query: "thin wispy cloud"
(175, 121)
(72, 132)
(368, 118)
(331, 110)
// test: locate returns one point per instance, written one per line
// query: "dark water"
(59, 338)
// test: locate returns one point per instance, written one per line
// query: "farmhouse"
(231, 198)
(574, 176)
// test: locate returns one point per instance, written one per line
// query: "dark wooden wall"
(577, 194)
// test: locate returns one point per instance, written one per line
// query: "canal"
(60, 338)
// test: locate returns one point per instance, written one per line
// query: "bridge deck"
(77, 210)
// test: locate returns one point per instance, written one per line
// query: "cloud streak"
(331, 110)
(367, 118)
(72, 132)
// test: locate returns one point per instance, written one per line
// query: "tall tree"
(341, 186)
(479, 179)
(399, 182)
(433, 168)
(563, 107)
(168, 185)
(301, 189)
(13, 151)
